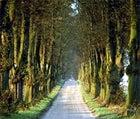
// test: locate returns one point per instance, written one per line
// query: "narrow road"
(69, 104)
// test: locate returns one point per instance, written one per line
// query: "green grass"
(36, 111)
(98, 110)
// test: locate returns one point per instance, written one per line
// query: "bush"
(22, 105)
(6, 103)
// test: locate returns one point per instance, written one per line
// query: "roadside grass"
(35, 112)
(100, 111)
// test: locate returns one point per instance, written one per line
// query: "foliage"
(44, 41)
(101, 111)
(29, 65)
(37, 110)
(7, 105)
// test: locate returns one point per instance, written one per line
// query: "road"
(69, 104)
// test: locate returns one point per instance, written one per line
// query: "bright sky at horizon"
(74, 6)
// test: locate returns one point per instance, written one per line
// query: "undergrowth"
(110, 112)
(34, 112)
(100, 111)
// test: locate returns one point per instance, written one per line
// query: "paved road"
(69, 104)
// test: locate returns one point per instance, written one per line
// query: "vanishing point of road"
(69, 104)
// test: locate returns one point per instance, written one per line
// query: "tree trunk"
(30, 68)
(133, 97)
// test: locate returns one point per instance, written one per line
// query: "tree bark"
(133, 97)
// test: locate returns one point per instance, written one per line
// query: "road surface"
(69, 104)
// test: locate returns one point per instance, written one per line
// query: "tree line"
(30, 56)
(108, 29)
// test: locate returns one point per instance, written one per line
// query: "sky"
(74, 6)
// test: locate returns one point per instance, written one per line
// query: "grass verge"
(35, 111)
(98, 110)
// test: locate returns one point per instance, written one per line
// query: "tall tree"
(133, 97)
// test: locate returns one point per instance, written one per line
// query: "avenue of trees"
(43, 41)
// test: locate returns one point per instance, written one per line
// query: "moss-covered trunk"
(15, 12)
(5, 46)
(113, 55)
(95, 83)
(133, 97)
(28, 88)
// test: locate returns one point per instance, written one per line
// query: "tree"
(133, 97)
(102, 61)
